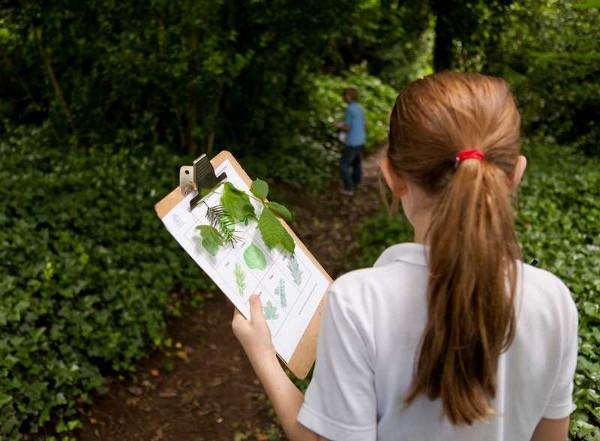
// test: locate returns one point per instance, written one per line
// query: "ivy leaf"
(260, 189)
(237, 203)
(211, 238)
(280, 210)
(273, 233)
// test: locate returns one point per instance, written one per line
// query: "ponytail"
(473, 246)
(471, 320)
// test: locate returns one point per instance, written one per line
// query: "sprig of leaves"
(236, 207)
(221, 220)
(272, 230)
(237, 204)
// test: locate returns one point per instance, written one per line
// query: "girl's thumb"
(256, 312)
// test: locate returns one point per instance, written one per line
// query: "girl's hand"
(254, 334)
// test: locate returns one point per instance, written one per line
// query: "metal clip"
(199, 176)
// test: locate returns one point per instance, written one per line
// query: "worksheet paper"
(290, 285)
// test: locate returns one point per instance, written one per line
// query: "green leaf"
(212, 240)
(4, 399)
(273, 233)
(237, 203)
(260, 189)
(280, 210)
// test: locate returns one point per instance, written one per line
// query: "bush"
(85, 274)
(558, 222)
(376, 97)
(548, 51)
(309, 160)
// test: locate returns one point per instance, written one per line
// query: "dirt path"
(204, 389)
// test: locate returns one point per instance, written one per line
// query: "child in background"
(354, 128)
(451, 337)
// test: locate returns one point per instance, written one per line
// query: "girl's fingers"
(236, 313)
(256, 312)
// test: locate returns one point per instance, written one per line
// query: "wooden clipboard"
(304, 356)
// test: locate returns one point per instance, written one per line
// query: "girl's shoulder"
(401, 271)
(545, 294)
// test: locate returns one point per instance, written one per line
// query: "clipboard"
(202, 174)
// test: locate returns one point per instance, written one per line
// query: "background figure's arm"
(342, 126)
(551, 430)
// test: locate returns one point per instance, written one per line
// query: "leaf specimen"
(260, 189)
(273, 233)
(255, 258)
(211, 238)
(220, 219)
(295, 270)
(237, 204)
(240, 278)
(236, 207)
(280, 210)
(270, 311)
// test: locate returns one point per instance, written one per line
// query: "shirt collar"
(414, 253)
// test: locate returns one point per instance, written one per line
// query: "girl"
(451, 337)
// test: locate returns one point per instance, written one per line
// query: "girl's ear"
(395, 183)
(520, 167)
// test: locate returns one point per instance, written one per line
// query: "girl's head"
(466, 207)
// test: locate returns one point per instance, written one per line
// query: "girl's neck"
(420, 223)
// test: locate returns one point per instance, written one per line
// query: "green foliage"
(85, 272)
(270, 227)
(236, 204)
(191, 73)
(236, 207)
(212, 239)
(280, 210)
(549, 51)
(306, 162)
(223, 228)
(376, 234)
(558, 222)
(260, 189)
(273, 233)
(376, 98)
(394, 40)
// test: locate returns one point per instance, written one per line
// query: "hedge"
(86, 269)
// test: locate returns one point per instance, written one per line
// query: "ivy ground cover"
(86, 269)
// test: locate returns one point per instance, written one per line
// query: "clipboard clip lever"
(198, 176)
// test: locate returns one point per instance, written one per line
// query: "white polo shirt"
(370, 334)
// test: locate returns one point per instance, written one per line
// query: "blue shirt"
(354, 116)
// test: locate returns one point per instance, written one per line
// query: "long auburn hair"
(473, 247)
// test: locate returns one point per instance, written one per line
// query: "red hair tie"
(468, 154)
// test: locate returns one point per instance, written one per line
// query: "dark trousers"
(350, 167)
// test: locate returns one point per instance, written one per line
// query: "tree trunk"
(444, 34)
(190, 127)
(55, 85)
